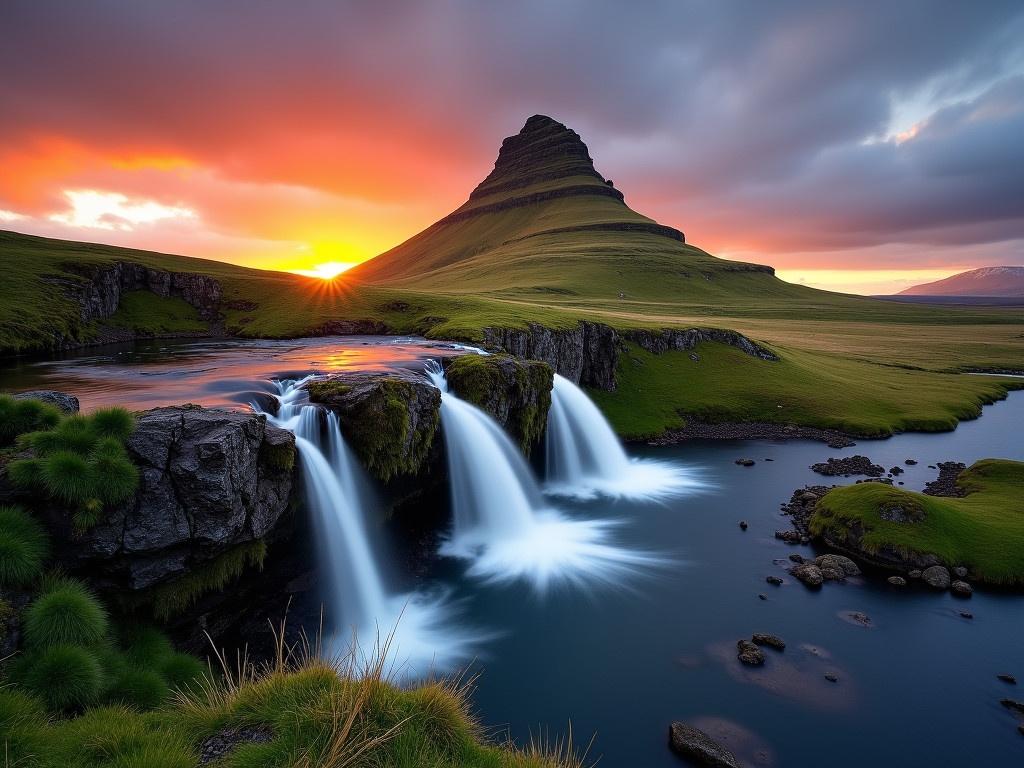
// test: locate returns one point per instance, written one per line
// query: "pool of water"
(918, 687)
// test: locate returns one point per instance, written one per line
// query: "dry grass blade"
(560, 752)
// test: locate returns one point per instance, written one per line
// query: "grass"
(150, 315)
(659, 392)
(984, 530)
(64, 676)
(66, 613)
(24, 547)
(20, 416)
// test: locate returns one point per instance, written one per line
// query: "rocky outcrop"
(99, 295)
(210, 481)
(589, 353)
(945, 484)
(847, 466)
(517, 393)
(697, 747)
(62, 400)
(388, 419)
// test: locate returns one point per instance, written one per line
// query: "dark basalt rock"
(808, 573)
(849, 465)
(389, 419)
(936, 576)
(945, 484)
(699, 748)
(517, 393)
(209, 481)
(749, 653)
(227, 740)
(700, 430)
(62, 400)
(772, 641)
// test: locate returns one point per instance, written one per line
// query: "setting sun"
(326, 271)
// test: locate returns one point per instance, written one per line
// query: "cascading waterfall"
(584, 456)
(360, 607)
(501, 521)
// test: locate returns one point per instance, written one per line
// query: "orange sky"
(293, 138)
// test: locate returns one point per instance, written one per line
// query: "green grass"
(20, 416)
(984, 530)
(150, 315)
(65, 613)
(658, 392)
(64, 676)
(24, 547)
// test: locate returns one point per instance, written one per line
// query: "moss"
(280, 457)
(323, 391)
(170, 599)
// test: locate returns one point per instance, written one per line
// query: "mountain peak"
(544, 150)
(1001, 281)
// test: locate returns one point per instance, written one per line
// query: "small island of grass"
(983, 530)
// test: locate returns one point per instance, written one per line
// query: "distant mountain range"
(985, 281)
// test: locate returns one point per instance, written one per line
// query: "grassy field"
(984, 530)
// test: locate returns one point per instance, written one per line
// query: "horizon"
(802, 137)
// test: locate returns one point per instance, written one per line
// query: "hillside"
(986, 281)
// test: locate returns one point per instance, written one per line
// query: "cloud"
(778, 130)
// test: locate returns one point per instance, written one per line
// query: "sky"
(862, 146)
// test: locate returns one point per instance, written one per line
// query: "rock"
(749, 653)
(772, 641)
(897, 581)
(762, 596)
(945, 484)
(808, 573)
(831, 677)
(937, 577)
(773, 580)
(517, 393)
(896, 470)
(849, 465)
(587, 354)
(210, 480)
(1006, 678)
(790, 537)
(227, 739)
(743, 525)
(796, 557)
(840, 563)
(1020, 729)
(915, 573)
(832, 574)
(389, 419)
(960, 572)
(1013, 705)
(909, 462)
(902, 512)
(808, 496)
(695, 745)
(966, 614)
(745, 462)
(859, 617)
(62, 400)
(961, 588)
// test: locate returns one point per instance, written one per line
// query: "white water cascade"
(359, 605)
(584, 456)
(501, 521)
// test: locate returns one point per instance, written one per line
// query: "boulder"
(1006, 678)
(937, 577)
(62, 400)
(915, 573)
(745, 462)
(773, 580)
(849, 465)
(772, 641)
(788, 536)
(699, 748)
(749, 653)
(389, 419)
(960, 572)
(961, 588)
(897, 581)
(517, 393)
(844, 565)
(808, 573)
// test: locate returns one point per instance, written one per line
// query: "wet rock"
(945, 484)
(749, 653)
(909, 462)
(790, 537)
(587, 354)
(937, 577)
(745, 462)
(915, 573)
(966, 615)
(226, 740)
(773, 580)
(696, 746)
(62, 400)
(896, 470)
(772, 641)
(796, 557)
(831, 677)
(849, 465)
(961, 588)
(1013, 705)
(960, 572)
(1007, 678)
(808, 573)
(897, 581)
(743, 525)
(762, 596)
(858, 617)
(844, 565)
(1020, 729)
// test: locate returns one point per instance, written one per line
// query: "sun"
(326, 271)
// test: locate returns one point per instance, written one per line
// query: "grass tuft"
(24, 547)
(19, 416)
(65, 613)
(64, 676)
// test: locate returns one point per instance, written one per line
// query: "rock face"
(62, 400)
(209, 480)
(517, 393)
(695, 745)
(99, 296)
(589, 353)
(389, 419)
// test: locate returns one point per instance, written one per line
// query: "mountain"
(986, 281)
(545, 221)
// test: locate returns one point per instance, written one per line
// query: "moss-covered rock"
(389, 419)
(517, 393)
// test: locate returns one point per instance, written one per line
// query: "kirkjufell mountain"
(985, 281)
(545, 220)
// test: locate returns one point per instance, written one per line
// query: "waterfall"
(501, 521)
(359, 605)
(584, 456)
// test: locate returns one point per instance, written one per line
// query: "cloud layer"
(809, 135)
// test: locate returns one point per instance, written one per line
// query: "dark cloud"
(748, 124)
